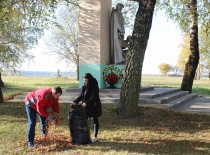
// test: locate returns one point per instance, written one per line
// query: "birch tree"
(186, 13)
(129, 95)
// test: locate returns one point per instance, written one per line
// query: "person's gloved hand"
(50, 119)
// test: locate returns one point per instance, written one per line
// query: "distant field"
(17, 84)
(200, 87)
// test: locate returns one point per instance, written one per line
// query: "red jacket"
(40, 100)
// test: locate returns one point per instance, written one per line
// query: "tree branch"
(188, 6)
(71, 2)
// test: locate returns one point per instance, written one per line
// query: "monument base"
(101, 72)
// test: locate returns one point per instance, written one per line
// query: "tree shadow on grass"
(152, 147)
(18, 109)
(154, 119)
(150, 121)
(13, 109)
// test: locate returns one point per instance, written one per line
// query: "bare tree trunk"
(1, 82)
(1, 96)
(199, 73)
(192, 63)
(1, 85)
(129, 95)
(77, 63)
(77, 72)
(196, 75)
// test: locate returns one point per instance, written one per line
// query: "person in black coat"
(91, 101)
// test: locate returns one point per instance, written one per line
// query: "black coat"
(92, 100)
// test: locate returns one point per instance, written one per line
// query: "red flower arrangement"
(112, 78)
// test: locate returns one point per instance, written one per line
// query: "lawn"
(156, 131)
(200, 87)
(153, 131)
(17, 84)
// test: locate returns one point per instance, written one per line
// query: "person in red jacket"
(36, 103)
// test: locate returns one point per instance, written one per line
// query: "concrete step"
(181, 101)
(158, 92)
(164, 98)
(174, 104)
(172, 96)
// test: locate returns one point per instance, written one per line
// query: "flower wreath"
(108, 68)
(121, 73)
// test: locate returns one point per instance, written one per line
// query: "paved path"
(198, 105)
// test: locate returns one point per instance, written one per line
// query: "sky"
(165, 37)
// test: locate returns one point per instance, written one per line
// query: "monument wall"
(94, 38)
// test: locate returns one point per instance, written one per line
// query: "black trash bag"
(78, 124)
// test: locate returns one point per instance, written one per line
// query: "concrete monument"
(94, 40)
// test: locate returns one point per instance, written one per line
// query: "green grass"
(15, 84)
(200, 87)
(156, 131)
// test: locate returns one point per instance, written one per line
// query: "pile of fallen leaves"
(57, 120)
(51, 141)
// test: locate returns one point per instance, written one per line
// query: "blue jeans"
(32, 123)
